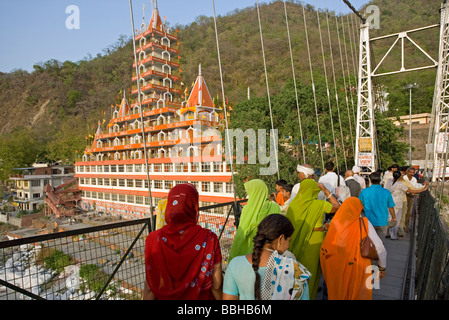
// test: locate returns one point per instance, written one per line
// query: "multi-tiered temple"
(182, 143)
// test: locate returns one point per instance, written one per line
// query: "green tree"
(390, 149)
(18, 149)
(73, 96)
(66, 141)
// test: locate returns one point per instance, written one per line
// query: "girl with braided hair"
(270, 272)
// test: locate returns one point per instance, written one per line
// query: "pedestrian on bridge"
(398, 190)
(287, 193)
(410, 177)
(182, 259)
(330, 180)
(270, 272)
(345, 271)
(280, 199)
(388, 176)
(293, 194)
(160, 213)
(378, 202)
(358, 177)
(256, 209)
(307, 215)
(352, 184)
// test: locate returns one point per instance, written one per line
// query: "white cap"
(355, 169)
(307, 171)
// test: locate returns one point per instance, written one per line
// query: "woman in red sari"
(182, 259)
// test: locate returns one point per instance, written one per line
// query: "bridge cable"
(294, 82)
(268, 90)
(345, 84)
(313, 84)
(335, 88)
(327, 85)
(353, 37)
(347, 66)
(356, 32)
(224, 108)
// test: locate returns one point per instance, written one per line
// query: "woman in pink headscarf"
(182, 260)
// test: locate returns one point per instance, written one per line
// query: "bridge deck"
(397, 262)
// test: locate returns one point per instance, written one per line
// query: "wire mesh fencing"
(432, 254)
(104, 262)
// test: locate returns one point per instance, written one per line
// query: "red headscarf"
(180, 257)
(344, 269)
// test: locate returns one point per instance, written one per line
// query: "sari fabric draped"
(258, 207)
(180, 257)
(344, 269)
(285, 279)
(160, 213)
(306, 213)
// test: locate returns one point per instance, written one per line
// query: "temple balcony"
(172, 153)
(162, 142)
(166, 86)
(155, 73)
(164, 62)
(157, 99)
(157, 108)
(156, 125)
(158, 34)
(158, 55)
(148, 45)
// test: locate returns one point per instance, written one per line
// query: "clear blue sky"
(33, 31)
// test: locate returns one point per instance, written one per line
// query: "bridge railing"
(431, 266)
(100, 262)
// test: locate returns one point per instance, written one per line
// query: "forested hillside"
(54, 107)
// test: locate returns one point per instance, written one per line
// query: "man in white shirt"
(330, 180)
(408, 177)
(358, 178)
(389, 174)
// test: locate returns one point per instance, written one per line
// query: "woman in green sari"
(258, 207)
(307, 216)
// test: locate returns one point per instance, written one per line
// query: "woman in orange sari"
(346, 273)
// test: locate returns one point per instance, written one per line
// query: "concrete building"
(29, 183)
(420, 131)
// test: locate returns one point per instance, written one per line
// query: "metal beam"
(409, 31)
(402, 71)
(402, 36)
(365, 149)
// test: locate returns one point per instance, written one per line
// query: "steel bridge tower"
(365, 146)
(366, 153)
(436, 149)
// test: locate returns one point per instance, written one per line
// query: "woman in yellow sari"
(258, 207)
(160, 213)
(307, 216)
